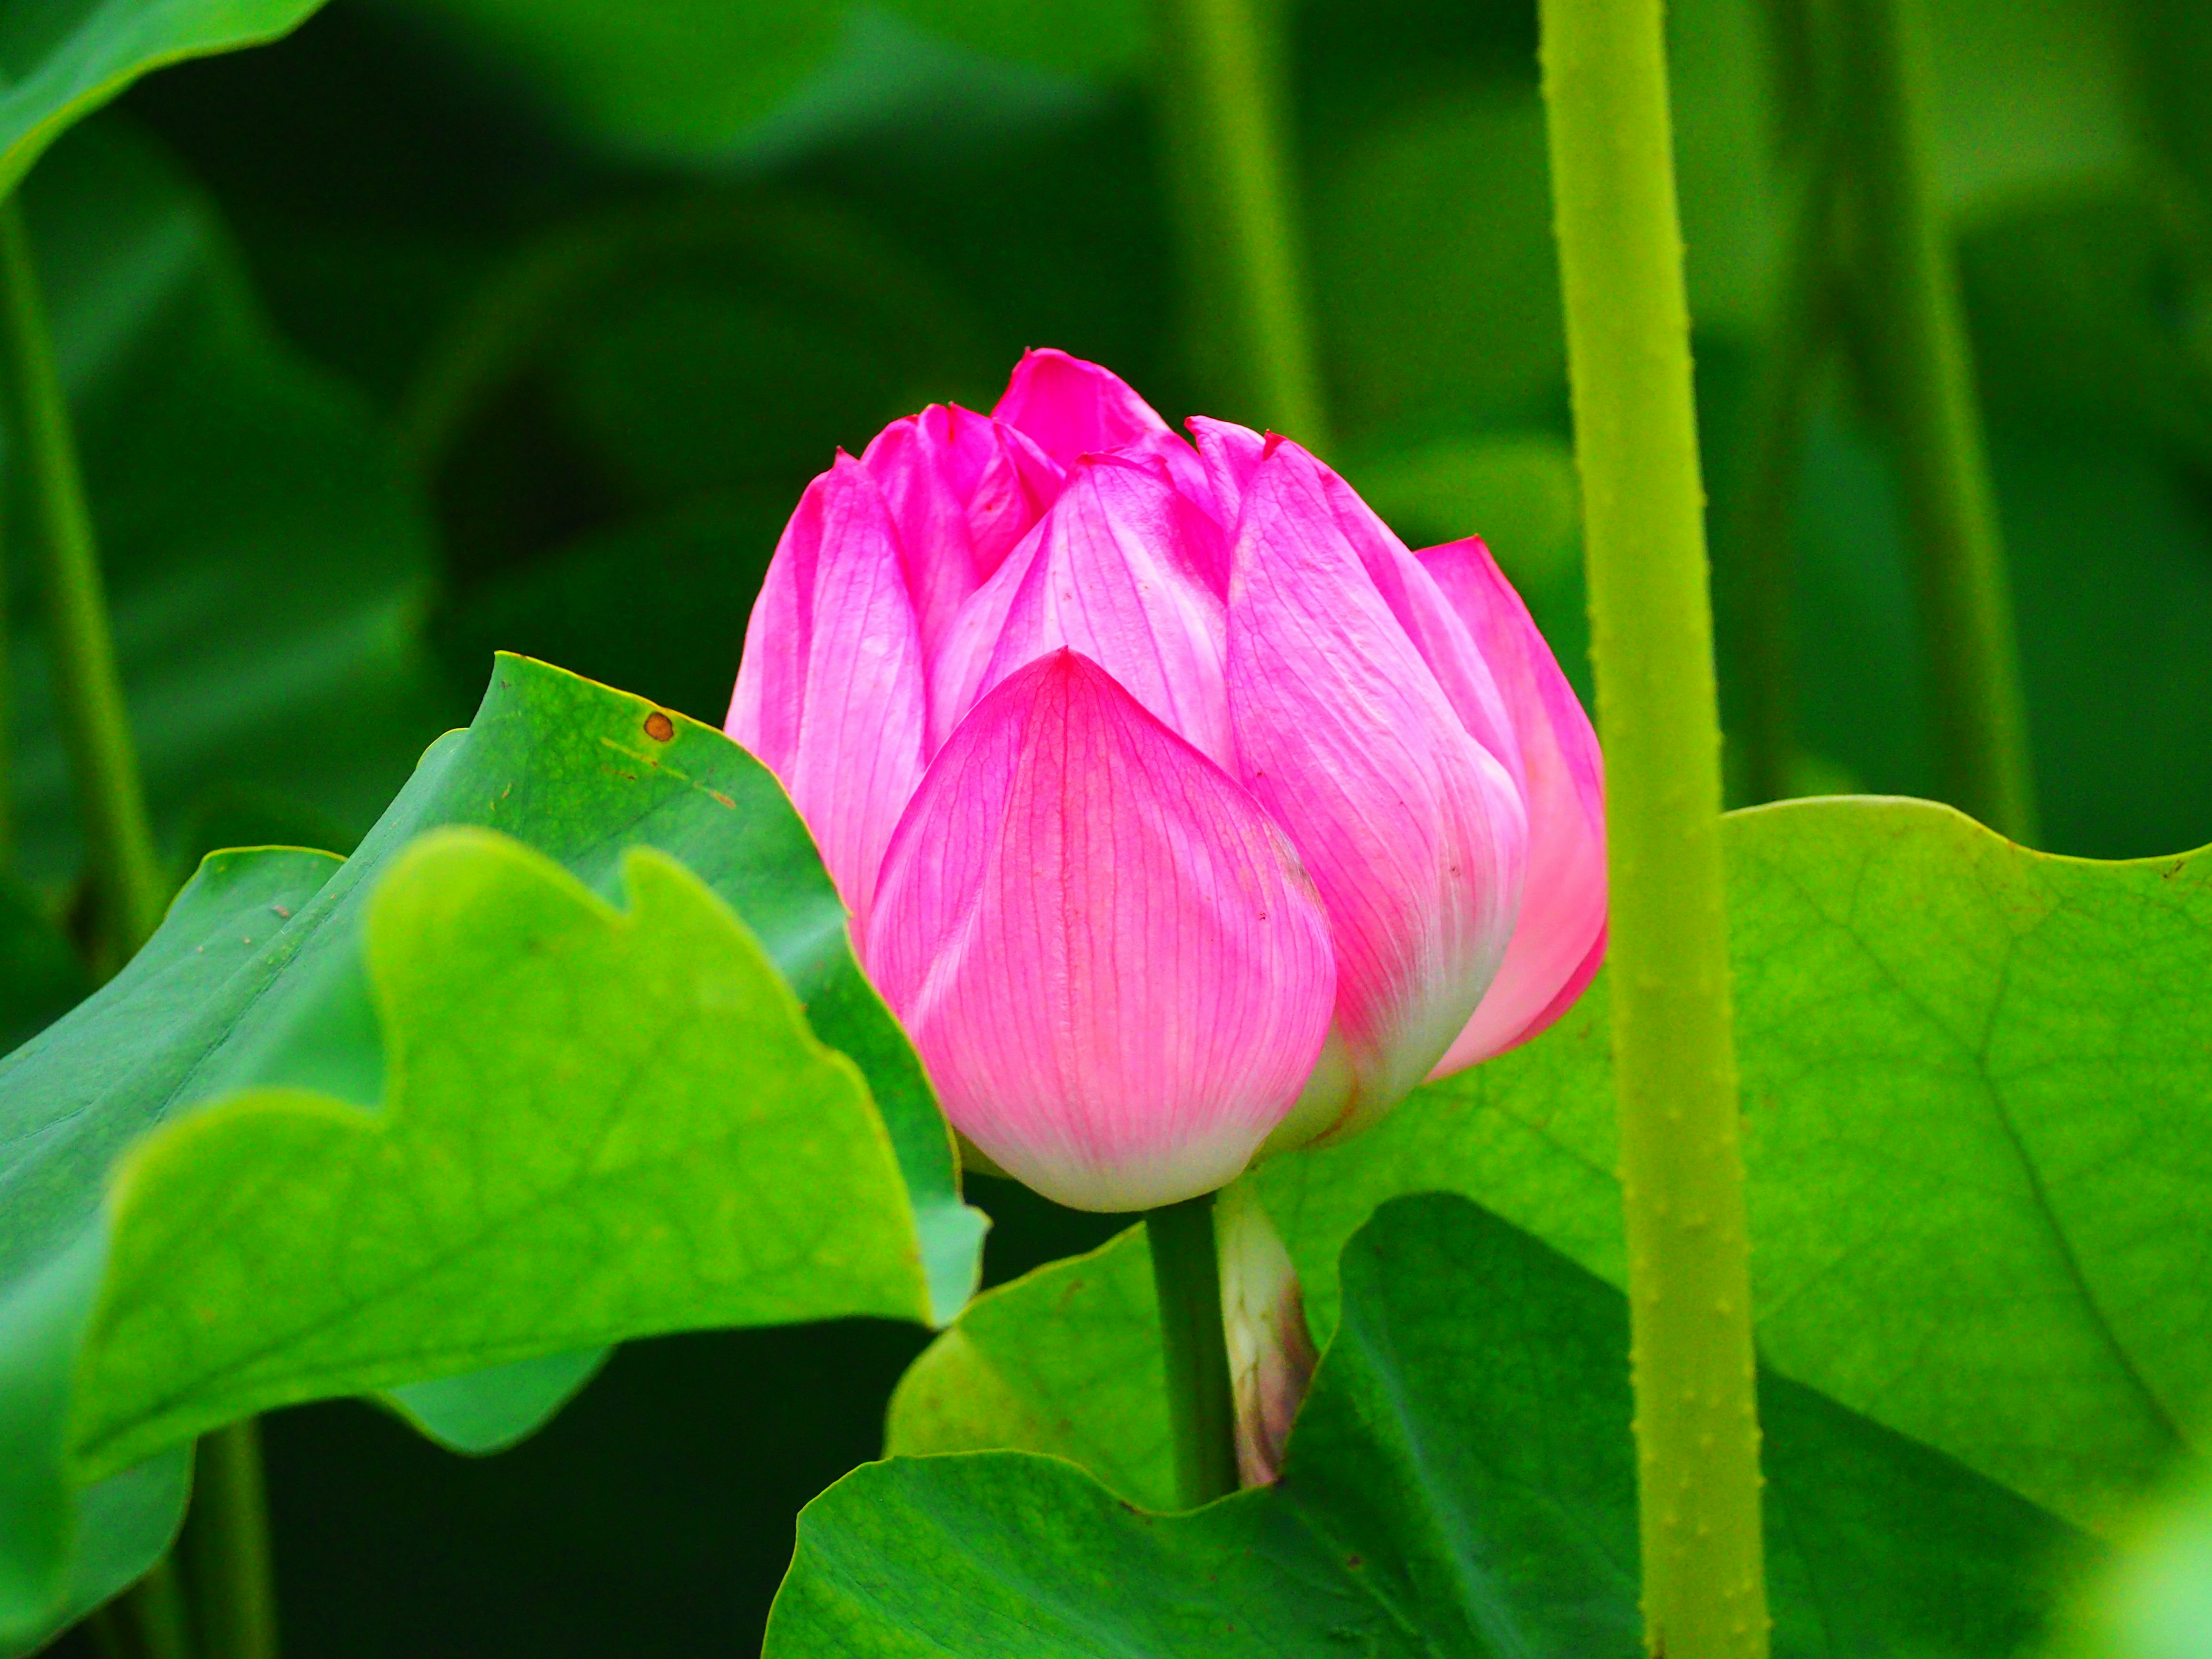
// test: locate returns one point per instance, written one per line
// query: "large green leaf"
(266, 555)
(595, 1126)
(1977, 1081)
(258, 980)
(1461, 1480)
(62, 60)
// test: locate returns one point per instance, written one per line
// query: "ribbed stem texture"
(1201, 1410)
(1222, 122)
(1620, 256)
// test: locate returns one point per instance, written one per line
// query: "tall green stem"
(1922, 373)
(148, 1621)
(1620, 257)
(87, 690)
(229, 1547)
(1202, 1411)
(1764, 526)
(1221, 106)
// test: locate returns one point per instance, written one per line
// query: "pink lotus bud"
(1263, 1316)
(1180, 809)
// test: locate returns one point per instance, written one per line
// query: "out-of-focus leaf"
(257, 982)
(266, 557)
(126, 1522)
(489, 1410)
(1434, 278)
(41, 975)
(2080, 305)
(2111, 579)
(605, 604)
(2028, 97)
(62, 60)
(1460, 1481)
(2154, 1599)
(744, 79)
(1976, 1080)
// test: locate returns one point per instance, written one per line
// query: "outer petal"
(1413, 833)
(830, 694)
(1421, 609)
(1102, 949)
(1560, 938)
(1118, 577)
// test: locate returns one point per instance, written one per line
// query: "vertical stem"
(1923, 374)
(1620, 258)
(1221, 107)
(87, 690)
(147, 1621)
(1763, 525)
(1187, 1274)
(232, 1572)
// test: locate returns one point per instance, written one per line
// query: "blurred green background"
(449, 325)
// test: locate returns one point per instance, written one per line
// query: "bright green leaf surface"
(61, 59)
(267, 556)
(595, 1125)
(1461, 1481)
(256, 979)
(1979, 1089)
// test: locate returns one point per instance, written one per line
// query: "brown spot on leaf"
(660, 727)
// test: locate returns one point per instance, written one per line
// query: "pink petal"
(1560, 938)
(1412, 831)
(1118, 577)
(963, 656)
(1230, 454)
(1104, 950)
(1422, 609)
(1072, 408)
(911, 460)
(830, 694)
(1007, 481)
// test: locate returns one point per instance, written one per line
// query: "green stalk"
(87, 690)
(1187, 1274)
(1620, 258)
(1921, 372)
(1221, 108)
(1763, 525)
(235, 1585)
(147, 1621)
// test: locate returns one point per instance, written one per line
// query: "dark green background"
(610, 503)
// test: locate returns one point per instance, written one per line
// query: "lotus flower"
(1182, 811)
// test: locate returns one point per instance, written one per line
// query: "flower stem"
(1620, 257)
(88, 690)
(147, 1621)
(1921, 369)
(1187, 1274)
(229, 1547)
(1764, 525)
(1221, 108)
